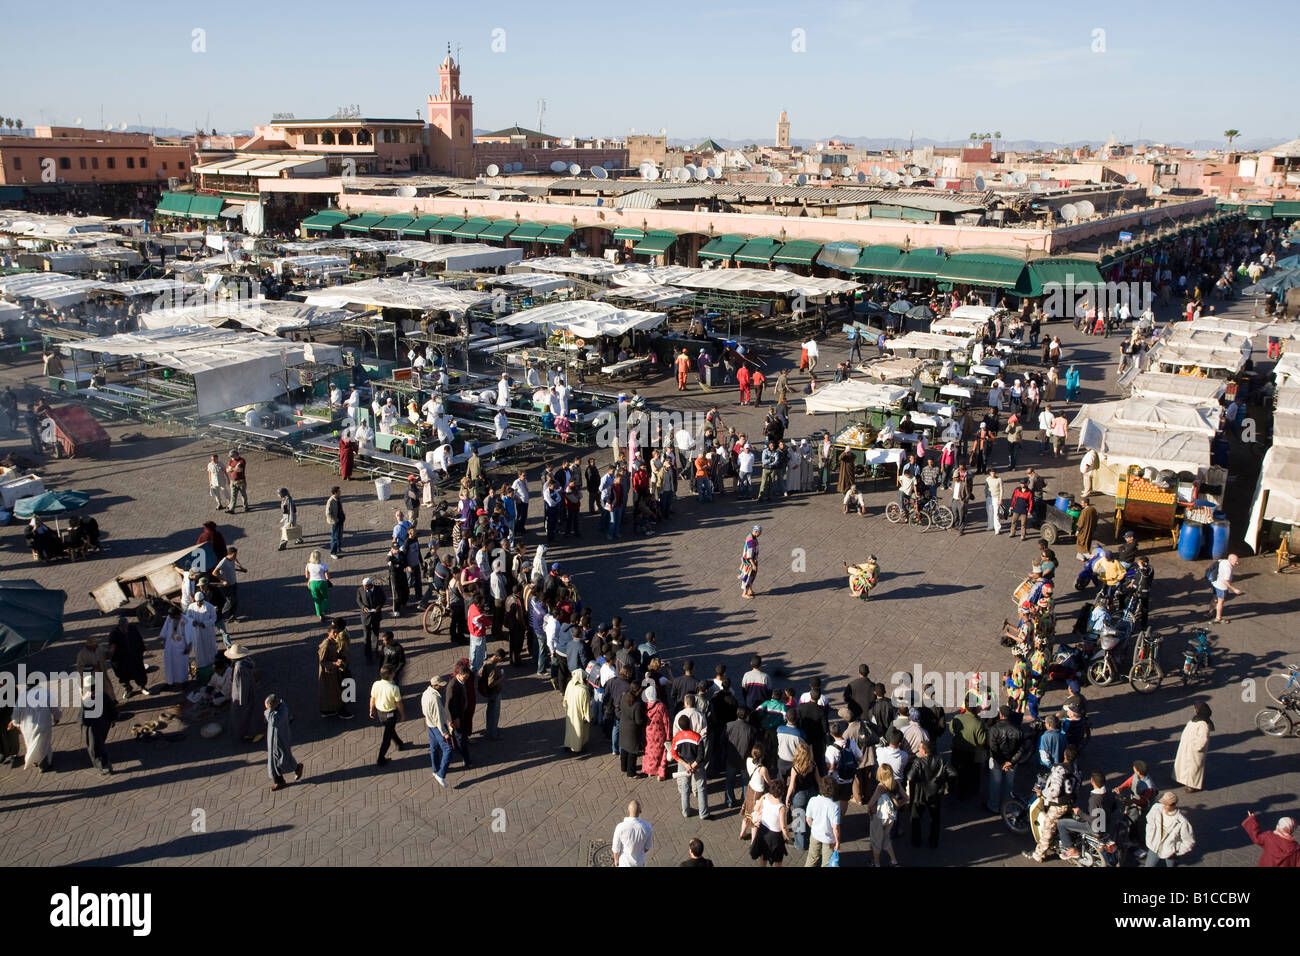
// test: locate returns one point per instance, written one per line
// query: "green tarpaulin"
(31, 617)
(799, 252)
(362, 223)
(721, 248)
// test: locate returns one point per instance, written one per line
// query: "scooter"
(1196, 656)
(1088, 577)
(1024, 814)
(1112, 638)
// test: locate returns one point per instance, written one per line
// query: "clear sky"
(1056, 70)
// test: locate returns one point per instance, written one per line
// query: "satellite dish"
(914, 170)
(558, 166)
(406, 192)
(775, 179)
(801, 179)
(1007, 177)
(1156, 190)
(122, 127)
(493, 169)
(663, 131)
(1069, 212)
(979, 183)
(652, 173)
(701, 173)
(862, 177)
(78, 121)
(575, 170)
(1021, 179)
(907, 180)
(847, 174)
(690, 168)
(1086, 209)
(875, 170)
(1035, 187)
(645, 173)
(826, 174)
(941, 184)
(1131, 178)
(495, 195)
(713, 172)
(600, 172)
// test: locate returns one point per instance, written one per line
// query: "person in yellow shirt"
(386, 705)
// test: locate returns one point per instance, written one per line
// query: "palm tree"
(997, 136)
(9, 123)
(974, 137)
(1231, 134)
(20, 124)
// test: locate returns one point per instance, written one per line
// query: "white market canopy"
(574, 265)
(1178, 451)
(457, 257)
(732, 280)
(53, 288)
(1277, 495)
(587, 319)
(536, 282)
(1185, 336)
(1176, 355)
(1288, 400)
(1252, 328)
(403, 293)
(262, 315)
(981, 312)
(310, 265)
(1179, 388)
(172, 287)
(660, 295)
(1287, 367)
(956, 325)
(1149, 413)
(10, 312)
(929, 342)
(1286, 430)
(230, 369)
(895, 369)
(853, 396)
(198, 266)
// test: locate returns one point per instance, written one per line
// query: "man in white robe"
(353, 405)
(200, 620)
(503, 391)
(500, 424)
(365, 438)
(35, 718)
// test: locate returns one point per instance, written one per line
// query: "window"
(180, 165)
(130, 162)
(65, 163)
(144, 162)
(309, 138)
(94, 162)
(112, 162)
(327, 137)
(83, 162)
(18, 163)
(345, 137)
(363, 137)
(164, 164)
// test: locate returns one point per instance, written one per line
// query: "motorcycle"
(1023, 813)
(1088, 576)
(1196, 655)
(1112, 638)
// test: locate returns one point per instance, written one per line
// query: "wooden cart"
(148, 588)
(1141, 504)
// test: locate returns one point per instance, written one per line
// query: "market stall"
(1166, 386)
(1275, 510)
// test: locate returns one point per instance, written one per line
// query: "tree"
(1231, 134)
(20, 124)
(974, 137)
(9, 123)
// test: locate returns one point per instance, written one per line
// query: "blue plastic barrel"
(1190, 540)
(1063, 502)
(1219, 540)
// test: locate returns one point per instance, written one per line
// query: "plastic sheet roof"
(1180, 388)
(652, 295)
(1150, 413)
(733, 280)
(1122, 446)
(1277, 494)
(587, 319)
(574, 265)
(262, 315)
(532, 281)
(457, 256)
(1198, 357)
(928, 342)
(405, 293)
(853, 396)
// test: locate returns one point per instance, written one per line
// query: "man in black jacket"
(457, 704)
(392, 655)
(928, 776)
(1104, 814)
(861, 692)
(742, 735)
(371, 600)
(882, 711)
(1007, 748)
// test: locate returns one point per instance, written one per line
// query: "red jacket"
(1278, 850)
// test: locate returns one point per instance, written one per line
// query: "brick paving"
(526, 802)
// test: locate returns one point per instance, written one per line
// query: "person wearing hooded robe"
(126, 651)
(577, 711)
(1189, 762)
(347, 456)
(243, 704)
(1085, 527)
(35, 717)
(657, 734)
(201, 620)
(538, 570)
(98, 711)
(279, 755)
(176, 649)
(1071, 384)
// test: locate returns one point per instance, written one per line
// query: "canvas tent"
(1124, 445)
(853, 396)
(455, 257)
(536, 282)
(929, 342)
(1136, 413)
(261, 315)
(1277, 494)
(404, 293)
(1182, 355)
(733, 280)
(587, 319)
(574, 265)
(1178, 388)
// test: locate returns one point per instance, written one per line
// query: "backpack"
(846, 764)
(886, 810)
(1212, 572)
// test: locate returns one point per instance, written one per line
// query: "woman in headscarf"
(538, 573)
(749, 563)
(657, 734)
(1071, 384)
(577, 711)
(347, 455)
(213, 539)
(1050, 385)
(279, 755)
(825, 459)
(332, 655)
(1189, 762)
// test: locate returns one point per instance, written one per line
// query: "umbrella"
(921, 312)
(868, 306)
(52, 504)
(902, 306)
(30, 618)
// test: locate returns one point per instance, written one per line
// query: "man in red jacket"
(1279, 845)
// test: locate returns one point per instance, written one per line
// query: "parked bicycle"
(1196, 656)
(1281, 721)
(914, 514)
(436, 614)
(1146, 673)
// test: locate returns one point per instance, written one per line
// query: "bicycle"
(436, 614)
(941, 516)
(1146, 673)
(914, 514)
(1277, 721)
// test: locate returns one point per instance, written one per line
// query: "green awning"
(447, 225)
(656, 243)
(1067, 273)
(498, 231)
(918, 263)
(994, 272)
(472, 227)
(881, 260)
(799, 252)
(758, 250)
(626, 234)
(362, 223)
(205, 207)
(421, 226)
(555, 235)
(918, 215)
(722, 248)
(395, 223)
(324, 219)
(11, 193)
(527, 232)
(1286, 208)
(1259, 210)
(173, 204)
